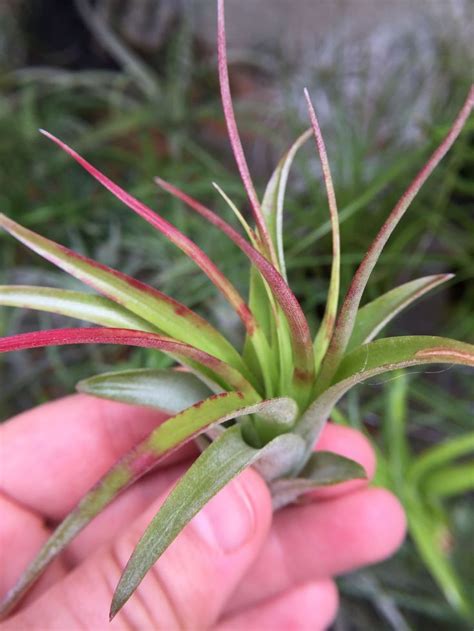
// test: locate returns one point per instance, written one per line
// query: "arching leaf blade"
(162, 441)
(298, 328)
(168, 390)
(375, 315)
(184, 243)
(274, 198)
(168, 315)
(323, 468)
(224, 374)
(325, 332)
(73, 304)
(222, 461)
(350, 306)
(376, 358)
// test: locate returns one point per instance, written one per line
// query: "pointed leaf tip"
(348, 312)
(179, 239)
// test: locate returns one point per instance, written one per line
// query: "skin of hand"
(235, 566)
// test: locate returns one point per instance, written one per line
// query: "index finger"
(53, 454)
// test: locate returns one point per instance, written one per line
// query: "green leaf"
(222, 461)
(283, 460)
(446, 482)
(163, 440)
(376, 358)
(372, 317)
(297, 324)
(441, 455)
(243, 222)
(73, 304)
(394, 430)
(170, 231)
(348, 313)
(425, 532)
(274, 198)
(168, 315)
(169, 390)
(323, 468)
(326, 329)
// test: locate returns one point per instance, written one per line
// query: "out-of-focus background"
(132, 84)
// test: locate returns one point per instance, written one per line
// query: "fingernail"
(227, 522)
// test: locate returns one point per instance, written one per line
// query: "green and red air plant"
(264, 405)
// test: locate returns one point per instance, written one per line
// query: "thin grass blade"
(243, 222)
(446, 453)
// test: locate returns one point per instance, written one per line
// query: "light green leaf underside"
(376, 358)
(169, 316)
(222, 461)
(322, 469)
(372, 317)
(274, 198)
(170, 435)
(73, 304)
(171, 391)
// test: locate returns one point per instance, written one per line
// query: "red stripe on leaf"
(301, 336)
(126, 337)
(170, 232)
(234, 132)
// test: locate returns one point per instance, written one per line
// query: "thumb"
(187, 588)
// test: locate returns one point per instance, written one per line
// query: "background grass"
(139, 116)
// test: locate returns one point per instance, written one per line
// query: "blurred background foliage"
(132, 83)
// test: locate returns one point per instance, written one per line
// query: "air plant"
(264, 405)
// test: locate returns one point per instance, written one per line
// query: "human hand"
(234, 567)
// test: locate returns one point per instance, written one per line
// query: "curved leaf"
(183, 352)
(372, 317)
(222, 461)
(348, 312)
(274, 198)
(233, 133)
(179, 239)
(162, 441)
(326, 328)
(448, 481)
(376, 358)
(323, 468)
(438, 456)
(300, 336)
(169, 390)
(74, 304)
(170, 316)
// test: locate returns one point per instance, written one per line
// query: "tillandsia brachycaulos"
(264, 405)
